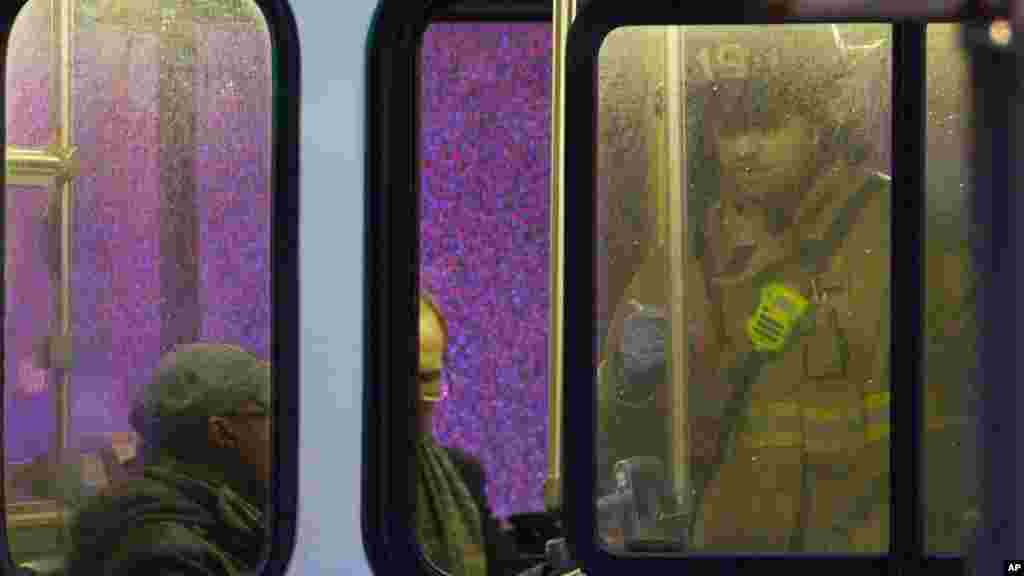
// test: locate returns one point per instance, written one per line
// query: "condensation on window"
(137, 222)
(742, 260)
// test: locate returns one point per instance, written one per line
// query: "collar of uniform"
(830, 191)
(827, 195)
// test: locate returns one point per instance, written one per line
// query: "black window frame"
(392, 254)
(284, 273)
(997, 109)
(907, 224)
(391, 352)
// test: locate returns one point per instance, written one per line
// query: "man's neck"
(230, 475)
(425, 417)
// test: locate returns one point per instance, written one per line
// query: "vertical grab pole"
(675, 117)
(58, 346)
(564, 11)
(66, 131)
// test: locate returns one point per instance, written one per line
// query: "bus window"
(485, 162)
(948, 443)
(27, 106)
(742, 265)
(137, 265)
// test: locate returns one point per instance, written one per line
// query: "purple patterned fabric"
(486, 148)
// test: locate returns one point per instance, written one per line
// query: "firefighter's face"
(767, 165)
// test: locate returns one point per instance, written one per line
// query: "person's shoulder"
(167, 548)
(871, 207)
(103, 545)
(878, 189)
(471, 471)
(156, 523)
(464, 461)
(116, 500)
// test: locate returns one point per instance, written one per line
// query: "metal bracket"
(659, 100)
(54, 165)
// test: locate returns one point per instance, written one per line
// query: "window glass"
(138, 241)
(33, 281)
(485, 141)
(743, 393)
(28, 108)
(950, 465)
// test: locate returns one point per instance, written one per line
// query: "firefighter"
(787, 307)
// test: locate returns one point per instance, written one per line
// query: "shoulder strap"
(815, 253)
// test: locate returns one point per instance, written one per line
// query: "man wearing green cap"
(198, 508)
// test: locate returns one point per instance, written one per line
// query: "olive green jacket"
(166, 524)
(449, 523)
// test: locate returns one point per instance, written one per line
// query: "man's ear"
(221, 433)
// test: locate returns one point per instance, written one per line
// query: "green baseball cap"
(202, 380)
